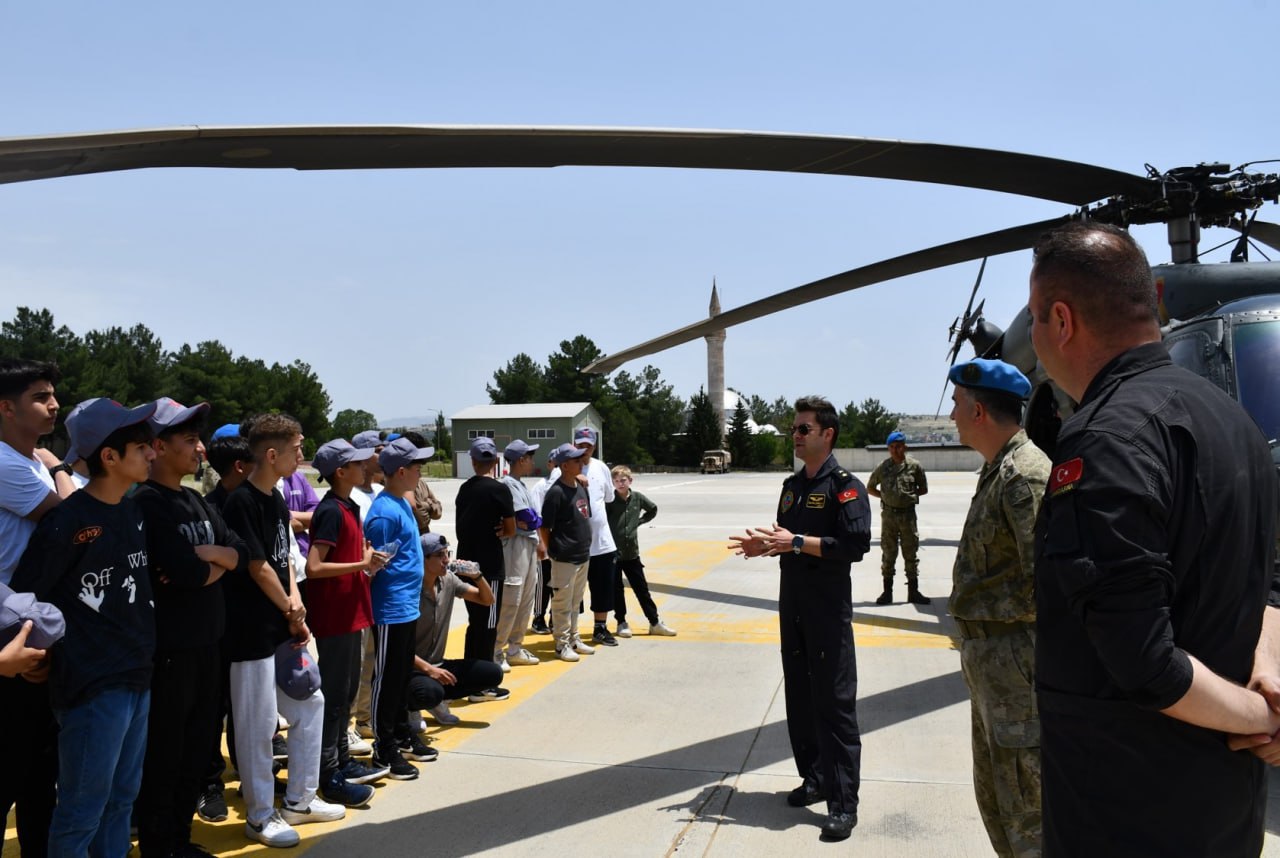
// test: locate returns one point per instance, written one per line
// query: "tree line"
(648, 424)
(133, 366)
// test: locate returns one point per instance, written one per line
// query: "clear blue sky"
(421, 274)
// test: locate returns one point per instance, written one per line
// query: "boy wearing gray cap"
(88, 556)
(521, 556)
(189, 548)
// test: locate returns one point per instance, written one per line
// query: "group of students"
(183, 611)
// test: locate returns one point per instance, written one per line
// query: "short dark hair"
(17, 374)
(1101, 271)
(824, 411)
(119, 440)
(415, 438)
(223, 453)
(262, 429)
(195, 424)
(1004, 407)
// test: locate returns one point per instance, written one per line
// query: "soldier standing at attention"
(899, 482)
(994, 605)
(823, 527)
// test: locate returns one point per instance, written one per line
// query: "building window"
(542, 434)
(473, 434)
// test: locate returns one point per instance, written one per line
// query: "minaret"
(715, 360)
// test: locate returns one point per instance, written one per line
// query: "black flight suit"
(815, 617)
(1155, 540)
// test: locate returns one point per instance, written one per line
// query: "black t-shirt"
(566, 512)
(217, 497)
(90, 559)
(189, 613)
(482, 504)
(255, 625)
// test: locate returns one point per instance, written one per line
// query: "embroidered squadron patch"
(88, 534)
(787, 500)
(816, 501)
(1065, 476)
(847, 495)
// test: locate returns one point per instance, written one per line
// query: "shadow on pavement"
(507, 818)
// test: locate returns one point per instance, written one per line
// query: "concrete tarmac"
(678, 746)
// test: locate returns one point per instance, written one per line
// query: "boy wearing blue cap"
(566, 531)
(88, 557)
(391, 529)
(899, 481)
(189, 548)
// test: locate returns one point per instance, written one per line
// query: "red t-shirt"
(338, 605)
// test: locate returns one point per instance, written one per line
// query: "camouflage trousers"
(898, 527)
(1006, 740)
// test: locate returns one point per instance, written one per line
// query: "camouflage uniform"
(993, 602)
(900, 487)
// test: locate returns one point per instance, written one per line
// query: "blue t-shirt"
(397, 588)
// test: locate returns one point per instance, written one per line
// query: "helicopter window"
(1257, 353)
(1187, 350)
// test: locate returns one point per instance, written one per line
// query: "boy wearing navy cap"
(566, 531)
(392, 529)
(485, 516)
(189, 548)
(88, 556)
(339, 563)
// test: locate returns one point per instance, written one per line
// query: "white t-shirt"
(364, 499)
(24, 484)
(600, 492)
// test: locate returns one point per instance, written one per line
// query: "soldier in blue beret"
(993, 601)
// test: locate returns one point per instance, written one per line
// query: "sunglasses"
(802, 429)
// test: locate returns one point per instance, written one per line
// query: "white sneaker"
(523, 657)
(318, 811)
(501, 660)
(357, 746)
(661, 629)
(624, 630)
(273, 832)
(567, 654)
(441, 713)
(582, 648)
(365, 729)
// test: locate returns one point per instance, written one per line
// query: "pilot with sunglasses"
(823, 527)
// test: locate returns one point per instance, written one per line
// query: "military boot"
(914, 596)
(886, 598)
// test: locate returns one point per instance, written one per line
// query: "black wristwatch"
(797, 543)
(60, 468)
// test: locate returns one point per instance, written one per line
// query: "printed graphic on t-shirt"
(280, 552)
(583, 507)
(197, 532)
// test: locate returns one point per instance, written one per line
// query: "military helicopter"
(1221, 320)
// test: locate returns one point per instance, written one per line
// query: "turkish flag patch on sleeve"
(847, 495)
(1066, 475)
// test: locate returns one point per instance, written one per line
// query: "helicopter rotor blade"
(990, 244)
(1260, 230)
(360, 147)
(962, 332)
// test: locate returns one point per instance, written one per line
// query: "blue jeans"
(101, 745)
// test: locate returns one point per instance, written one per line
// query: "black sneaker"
(191, 850)
(356, 772)
(398, 768)
(338, 791)
(490, 694)
(415, 749)
(805, 795)
(603, 636)
(540, 627)
(838, 825)
(279, 748)
(212, 804)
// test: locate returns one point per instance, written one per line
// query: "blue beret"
(226, 430)
(990, 375)
(894, 437)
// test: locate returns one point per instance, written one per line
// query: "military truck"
(716, 461)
